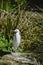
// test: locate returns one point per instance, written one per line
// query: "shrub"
(4, 45)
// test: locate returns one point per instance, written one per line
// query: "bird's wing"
(14, 42)
(14, 39)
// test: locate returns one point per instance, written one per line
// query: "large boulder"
(18, 58)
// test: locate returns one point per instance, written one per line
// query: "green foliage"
(8, 27)
(2, 41)
(4, 45)
(5, 5)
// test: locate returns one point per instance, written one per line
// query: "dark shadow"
(36, 5)
(4, 52)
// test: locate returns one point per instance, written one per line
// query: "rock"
(18, 59)
(6, 62)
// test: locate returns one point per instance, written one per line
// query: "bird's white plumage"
(16, 39)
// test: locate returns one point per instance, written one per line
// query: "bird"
(16, 39)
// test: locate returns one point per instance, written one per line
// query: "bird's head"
(16, 30)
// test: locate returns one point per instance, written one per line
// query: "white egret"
(16, 39)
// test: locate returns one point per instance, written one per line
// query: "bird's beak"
(14, 31)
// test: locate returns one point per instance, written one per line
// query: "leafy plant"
(4, 45)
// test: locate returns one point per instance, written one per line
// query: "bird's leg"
(15, 49)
